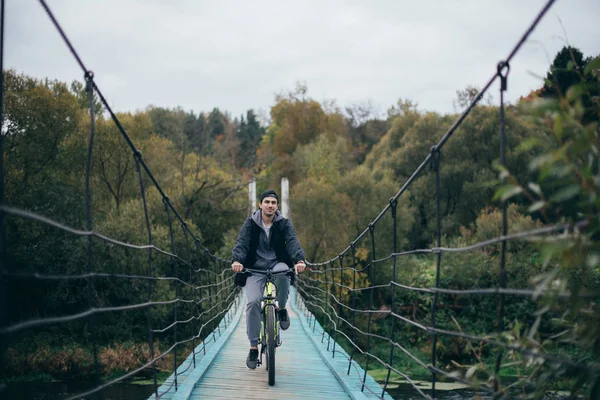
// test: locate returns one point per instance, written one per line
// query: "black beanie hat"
(269, 193)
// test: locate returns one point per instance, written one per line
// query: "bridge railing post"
(285, 198)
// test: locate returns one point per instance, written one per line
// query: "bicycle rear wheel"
(271, 344)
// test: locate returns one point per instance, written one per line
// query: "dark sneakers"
(284, 319)
(252, 359)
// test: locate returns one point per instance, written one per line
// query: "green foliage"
(322, 160)
(249, 135)
(571, 77)
(45, 145)
(317, 206)
(365, 129)
(39, 117)
(566, 188)
(296, 121)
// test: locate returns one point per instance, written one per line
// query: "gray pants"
(255, 286)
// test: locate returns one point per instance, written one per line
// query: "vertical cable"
(353, 248)
(435, 153)
(174, 275)
(210, 295)
(330, 301)
(191, 280)
(502, 66)
(3, 316)
(218, 296)
(325, 292)
(89, 88)
(372, 279)
(340, 308)
(138, 156)
(393, 204)
(312, 290)
(197, 243)
(224, 296)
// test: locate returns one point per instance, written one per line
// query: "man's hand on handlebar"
(237, 267)
(300, 266)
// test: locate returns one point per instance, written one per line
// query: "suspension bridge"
(329, 350)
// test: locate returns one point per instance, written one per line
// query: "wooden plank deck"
(305, 369)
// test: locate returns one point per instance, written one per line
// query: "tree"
(317, 210)
(170, 124)
(113, 161)
(39, 117)
(466, 163)
(465, 97)
(369, 190)
(364, 129)
(296, 120)
(227, 146)
(568, 70)
(322, 160)
(249, 135)
(215, 124)
(195, 129)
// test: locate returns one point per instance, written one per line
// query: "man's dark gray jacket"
(282, 240)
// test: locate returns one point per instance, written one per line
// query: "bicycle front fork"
(263, 333)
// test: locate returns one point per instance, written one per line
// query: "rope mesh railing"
(188, 273)
(329, 298)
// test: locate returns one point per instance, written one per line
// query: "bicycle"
(269, 338)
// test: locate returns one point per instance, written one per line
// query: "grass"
(30, 377)
(161, 377)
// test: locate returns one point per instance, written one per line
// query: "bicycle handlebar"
(249, 271)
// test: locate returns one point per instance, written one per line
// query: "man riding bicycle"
(266, 241)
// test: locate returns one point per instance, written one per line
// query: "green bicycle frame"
(268, 301)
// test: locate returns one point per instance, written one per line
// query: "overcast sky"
(237, 55)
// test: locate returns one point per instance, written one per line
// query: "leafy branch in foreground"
(566, 188)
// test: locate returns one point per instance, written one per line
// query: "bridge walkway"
(305, 369)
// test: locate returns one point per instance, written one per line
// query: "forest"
(344, 164)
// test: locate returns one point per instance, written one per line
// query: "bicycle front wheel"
(271, 344)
